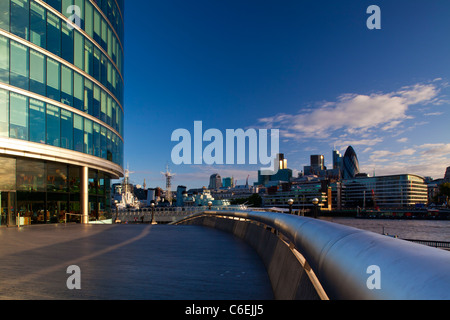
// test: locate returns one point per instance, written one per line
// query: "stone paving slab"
(129, 262)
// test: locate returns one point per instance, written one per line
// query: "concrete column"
(84, 194)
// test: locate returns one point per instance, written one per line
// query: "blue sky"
(309, 68)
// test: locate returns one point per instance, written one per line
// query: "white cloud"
(354, 113)
(425, 160)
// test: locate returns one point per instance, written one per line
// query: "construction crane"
(169, 177)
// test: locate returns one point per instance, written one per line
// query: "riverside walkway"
(129, 262)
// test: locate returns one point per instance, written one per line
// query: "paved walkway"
(129, 262)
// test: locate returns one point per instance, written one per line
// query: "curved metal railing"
(352, 263)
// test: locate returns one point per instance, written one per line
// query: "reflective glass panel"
(78, 133)
(38, 25)
(37, 72)
(4, 59)
(19, 65)
(37, 121)
(18, 116)
(66, 129)
(53, 126)
(20, 22)
(4, 113)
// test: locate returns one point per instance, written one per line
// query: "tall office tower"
(447, 175)
(337, 160)
(61, 108)
(282, 162)
(350, 163)
(317, 162)
(215, 181)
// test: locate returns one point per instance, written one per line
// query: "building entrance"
(8, 209)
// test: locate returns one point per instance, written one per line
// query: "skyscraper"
(350, 163)
(61, 107)
(215, 181)
(447, 175)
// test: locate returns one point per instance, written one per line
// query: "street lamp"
(117, 210)
(315, 202)
(290, 203)
(153, 212)
(209, 204)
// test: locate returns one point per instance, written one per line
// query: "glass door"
(3, 209)
(8, 209)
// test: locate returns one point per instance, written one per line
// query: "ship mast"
(169, 177)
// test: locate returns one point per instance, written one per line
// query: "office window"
(97, 27)
(113, 115)
(18, 116)
(57, 177)
(103, 142)
(96, 109)
(88, 58)
(53, 79)
(65, 5)
(66, 129)
(20, 22)
(67, 43)
(110, 37)
(4, 59)
(8, 174)
(96, 140)
(109, 82)
(108, 145)
(31, 175)
(19, 65)
(89, 19)
(97, 67)
(4, 113)
(37, 72)
(38, 25)
(37, 121)
(78, 133)
(104, 35)
(104, 70)
(88, 97)
(114, 147)
(66, 85)
(78, 50)
(80, 4)
(88, 137)
(55, 4)
(103, 107)
(4, 14)
(53, 126)
(109, 111)
(78, 91)
(53, 34)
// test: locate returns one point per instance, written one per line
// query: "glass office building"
(395, 191)
(61, 108)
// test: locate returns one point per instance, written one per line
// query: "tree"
(444, 189)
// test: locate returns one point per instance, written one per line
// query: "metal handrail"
(342, 257)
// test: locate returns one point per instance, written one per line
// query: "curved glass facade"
(351, 164)
(61, 87)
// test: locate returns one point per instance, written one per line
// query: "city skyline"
(313, 70)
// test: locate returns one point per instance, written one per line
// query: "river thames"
(434, 230)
